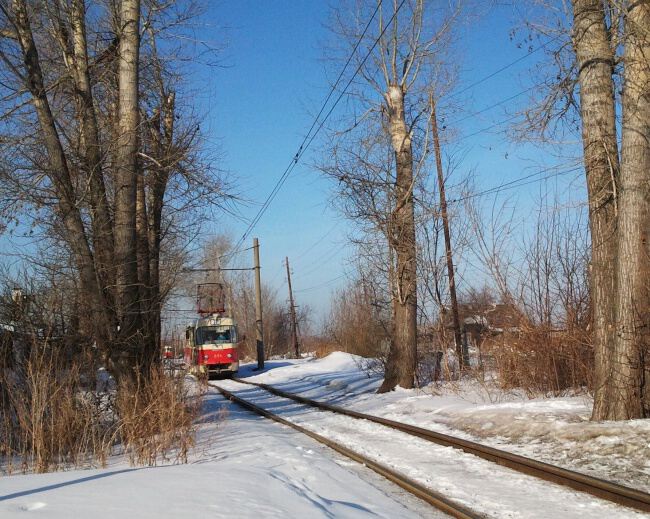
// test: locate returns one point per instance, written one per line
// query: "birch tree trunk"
(633, 267)
(401, 365)
(597, 107)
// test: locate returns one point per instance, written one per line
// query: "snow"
(243, 466)
(554, 430)
(246, 466)
(473, 482)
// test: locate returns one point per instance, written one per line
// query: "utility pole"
(259, 330)
(463, 354)
(292, 309)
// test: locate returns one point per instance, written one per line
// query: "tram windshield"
(215, 335)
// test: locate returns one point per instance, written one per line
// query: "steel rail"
(601, 488)
(428, 495)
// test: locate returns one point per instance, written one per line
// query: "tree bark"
(162, 144)
(148, 353)
(100, 215)
(126, 174)
(401, 365)
(633, 268)
(597, 107)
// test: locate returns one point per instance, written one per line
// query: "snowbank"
(554, 430)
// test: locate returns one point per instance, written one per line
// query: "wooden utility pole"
(259, 330)
(463, 354)
(292, 310)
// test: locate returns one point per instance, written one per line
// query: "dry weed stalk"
(50, 419)
(542, 361)
(158, 418)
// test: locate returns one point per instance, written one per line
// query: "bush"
(157, 418)
(48, 421)
(51, 418)
(542, 361)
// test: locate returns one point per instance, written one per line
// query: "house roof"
(494, 316)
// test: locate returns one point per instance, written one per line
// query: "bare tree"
(630, 365)
(493, 230)
(374, 160)
(126, 180)
(29, 72)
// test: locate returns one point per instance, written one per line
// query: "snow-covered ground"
(246, 466)
(554, 430)
(243, 467)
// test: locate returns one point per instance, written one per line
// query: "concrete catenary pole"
(259, 330)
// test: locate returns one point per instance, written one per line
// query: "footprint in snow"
(33, 506)
(337, 384)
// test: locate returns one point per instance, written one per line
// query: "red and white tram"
(211, 346)
(211, 340)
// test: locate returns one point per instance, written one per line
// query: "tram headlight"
(229, 355)
(206, 357)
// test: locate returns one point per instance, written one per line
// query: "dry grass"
(540, 361)
(51, 419)
(48, 419)
(320, 346)
(157, 418)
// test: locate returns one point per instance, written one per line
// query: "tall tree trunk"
(148, 353)
(100, 215)
(126, 187)
(401, 365)
(597, 106)
(633, 268)
(162, 140)
(59, 173)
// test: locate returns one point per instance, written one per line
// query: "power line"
(496, 189)
(228, 254)
(519, 182)
(321, 285)
(308, 139)
(505, 67)
(494, 105)
(318, 241)
(487, 128)
(338, 79)
(313, 267)
(218, 269)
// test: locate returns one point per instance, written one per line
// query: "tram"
(211, 340)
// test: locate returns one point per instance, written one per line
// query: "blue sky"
(262, 103)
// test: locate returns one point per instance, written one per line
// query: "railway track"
(597, 487)
(600, 488)
(426, 494)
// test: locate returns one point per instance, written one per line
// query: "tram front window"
(214, 335)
